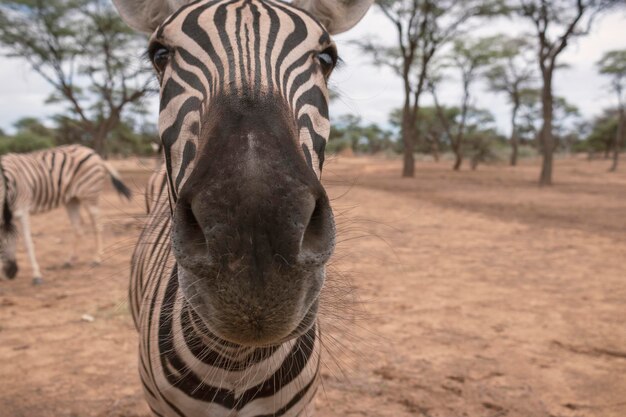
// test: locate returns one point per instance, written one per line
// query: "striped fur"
(187, 371)
(226, 54)
(41, 181)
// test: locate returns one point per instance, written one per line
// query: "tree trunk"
(408, 126)
(411, 111)
(514, 140)
(98, 142)
(408, 139)
(458, 160)
(458, 142)
(434, 148)
(619, 136)
(546, 169)
(102, 132)
(514, 151)
(546, 137)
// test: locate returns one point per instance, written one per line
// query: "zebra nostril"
(318, 240)
(189, 236)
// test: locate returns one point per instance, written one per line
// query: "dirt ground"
(480, 295)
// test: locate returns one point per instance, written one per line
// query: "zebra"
(227, 272)
(43, 180)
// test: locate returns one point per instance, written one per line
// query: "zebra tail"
(119, 186)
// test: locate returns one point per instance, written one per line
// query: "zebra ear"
(337, 16)
(146, 15)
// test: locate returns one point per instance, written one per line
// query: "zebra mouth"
(307, 322)
(244, 320)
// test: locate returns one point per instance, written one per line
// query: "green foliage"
(24, 142)
(483, 147)
(481, 139)
(613, 63)
(602, 135)
(482, 142)
(472, 54)
(470, 57)
(128, 138)
(85, 52)
(68, 130)
(566, 116)
(512, 69)
(430, 132)
(350, 132)
(31, 135)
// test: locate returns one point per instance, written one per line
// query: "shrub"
(24, 142)
(337, 145)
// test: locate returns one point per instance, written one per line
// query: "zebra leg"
(94, 214)
(30, 248)
(73, 212)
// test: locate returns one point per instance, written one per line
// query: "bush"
(24, 142)
(337, 145)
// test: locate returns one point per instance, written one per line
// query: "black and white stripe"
(186, 371)
(216, 60)
(270, 53)
(37, 182)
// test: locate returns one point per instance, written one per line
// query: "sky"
(371, 92)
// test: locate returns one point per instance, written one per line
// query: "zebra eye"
(328, 60)
(160, 57)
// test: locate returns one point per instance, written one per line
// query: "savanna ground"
(480, 295)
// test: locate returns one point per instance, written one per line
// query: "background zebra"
(41, 181)
(227, 273)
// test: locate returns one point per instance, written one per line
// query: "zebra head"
(244, 122)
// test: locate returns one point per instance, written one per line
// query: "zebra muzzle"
(252, 228)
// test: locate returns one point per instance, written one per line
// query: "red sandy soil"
(480, 294)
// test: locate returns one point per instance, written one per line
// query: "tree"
(83, 50)
(442, 123)
(481, 145)
(566, 118)
(30, 135)
(512, 73)
(422, 28)
(529, 116)
(32, 125)
(350, 132)
(566, 123)
(469, 57)
(601, 137)
(555, 23)
(431, 135)
(613, 65)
